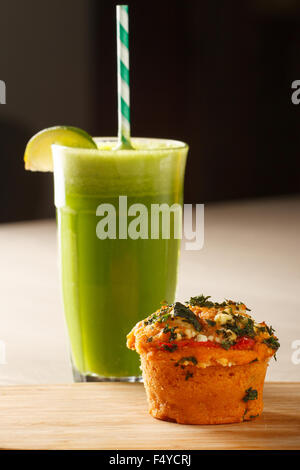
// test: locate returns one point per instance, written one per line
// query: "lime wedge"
(38, 153)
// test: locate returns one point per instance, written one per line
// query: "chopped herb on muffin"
(204, 362)
(225, 325)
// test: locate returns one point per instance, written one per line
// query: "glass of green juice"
(109, 283)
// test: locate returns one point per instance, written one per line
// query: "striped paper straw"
(123, 77)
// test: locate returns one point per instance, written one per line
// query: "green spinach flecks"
(173, 335)
(202, 301)
(272, 343)
(270, 330)
(188, 359)
(162, 316)
(170, 347)
(227, 344)
(242, 326)
(251, 394)
(188, 375)
(187, 315)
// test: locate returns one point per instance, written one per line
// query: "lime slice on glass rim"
(38, 153)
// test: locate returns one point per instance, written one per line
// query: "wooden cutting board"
(114, 416)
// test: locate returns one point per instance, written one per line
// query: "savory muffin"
(203, 362)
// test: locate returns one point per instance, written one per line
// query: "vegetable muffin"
(203, 362)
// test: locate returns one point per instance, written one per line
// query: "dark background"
(216, 74)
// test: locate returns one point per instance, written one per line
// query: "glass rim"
(174, 145)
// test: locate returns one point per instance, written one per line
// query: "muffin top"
(204, 333)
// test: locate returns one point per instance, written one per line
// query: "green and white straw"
(123, 77)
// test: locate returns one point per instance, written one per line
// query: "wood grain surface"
(114, 416)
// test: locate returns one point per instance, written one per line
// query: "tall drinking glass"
(111, 279)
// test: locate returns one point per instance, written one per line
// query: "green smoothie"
(110, 284)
